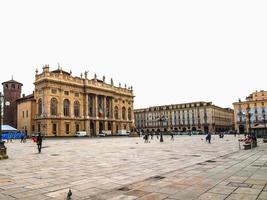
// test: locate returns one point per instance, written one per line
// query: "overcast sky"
(169, 51)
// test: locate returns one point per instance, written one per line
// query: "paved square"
(127, 168)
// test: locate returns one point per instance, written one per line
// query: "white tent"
(7, 128)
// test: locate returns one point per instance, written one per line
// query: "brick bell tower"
(12, 92)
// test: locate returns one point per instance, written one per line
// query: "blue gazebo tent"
(7, 128)
(9, 132)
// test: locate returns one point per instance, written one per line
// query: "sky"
(170, 51)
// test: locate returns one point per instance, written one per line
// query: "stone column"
(97, 128)
(86, 114)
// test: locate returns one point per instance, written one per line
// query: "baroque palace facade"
(196, 116)
(63, 105)
(250, 115)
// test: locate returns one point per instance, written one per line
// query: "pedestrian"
(152, 136)
(39, 142)
(25, 137)
(209, 137)
(21, 137)
(172, 138)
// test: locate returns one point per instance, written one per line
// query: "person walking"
(208, 137)
(39, 142)
(22, 137)
(172, 138)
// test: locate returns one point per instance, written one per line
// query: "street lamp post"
(249, 122)
(264, 122)
(3, 154)
(161, 120)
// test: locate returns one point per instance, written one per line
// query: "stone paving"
(127, 169)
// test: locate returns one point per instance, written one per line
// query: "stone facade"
(196, 116)
(26, 113)
(251, 113)
(12, 92)
(65, 104)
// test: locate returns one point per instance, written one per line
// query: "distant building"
(63, 104)
(12, 92)
(250, 115)
(26, 113)
(195, 116)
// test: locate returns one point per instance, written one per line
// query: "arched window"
(40, 107)
(76, 109)
(66, 107)
(53, 106)
(129, 114)
(116, 112)
(123, 113)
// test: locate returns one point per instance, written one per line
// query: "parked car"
(123, 133)
(80, 134)
(102, 134)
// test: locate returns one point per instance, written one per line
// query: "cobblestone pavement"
(127, 168)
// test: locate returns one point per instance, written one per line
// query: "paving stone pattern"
(127, 169)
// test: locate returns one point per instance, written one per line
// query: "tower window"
(6, 86)
(13, 86)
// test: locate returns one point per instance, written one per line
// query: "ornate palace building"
(250, 115)
(64, 105)
(196, 116)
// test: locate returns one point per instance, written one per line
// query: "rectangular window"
(27, 113)
(22, 114)
(32, 128)
(66, 93)
(77, 94)
(54, 129)
(67, 128)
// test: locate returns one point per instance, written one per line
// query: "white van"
(80, 134)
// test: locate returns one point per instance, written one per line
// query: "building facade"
(26, 107)
(196, 116)
(250, 115)
(12, 92)
(65, 104)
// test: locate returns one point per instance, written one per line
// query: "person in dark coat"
(39, 141)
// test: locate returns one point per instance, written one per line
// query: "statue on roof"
(111, 81)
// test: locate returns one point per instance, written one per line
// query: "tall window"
(40, 107)
(66, 107)
(53, 106)
(123, 113)
(108, 107)
(76, 109)
(91, 105)
(116, 112)
(129, 114)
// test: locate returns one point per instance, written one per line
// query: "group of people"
(151, 136)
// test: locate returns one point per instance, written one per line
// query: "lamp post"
(249, 122)
(3, 154)
(264, 122)
(161, 120)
